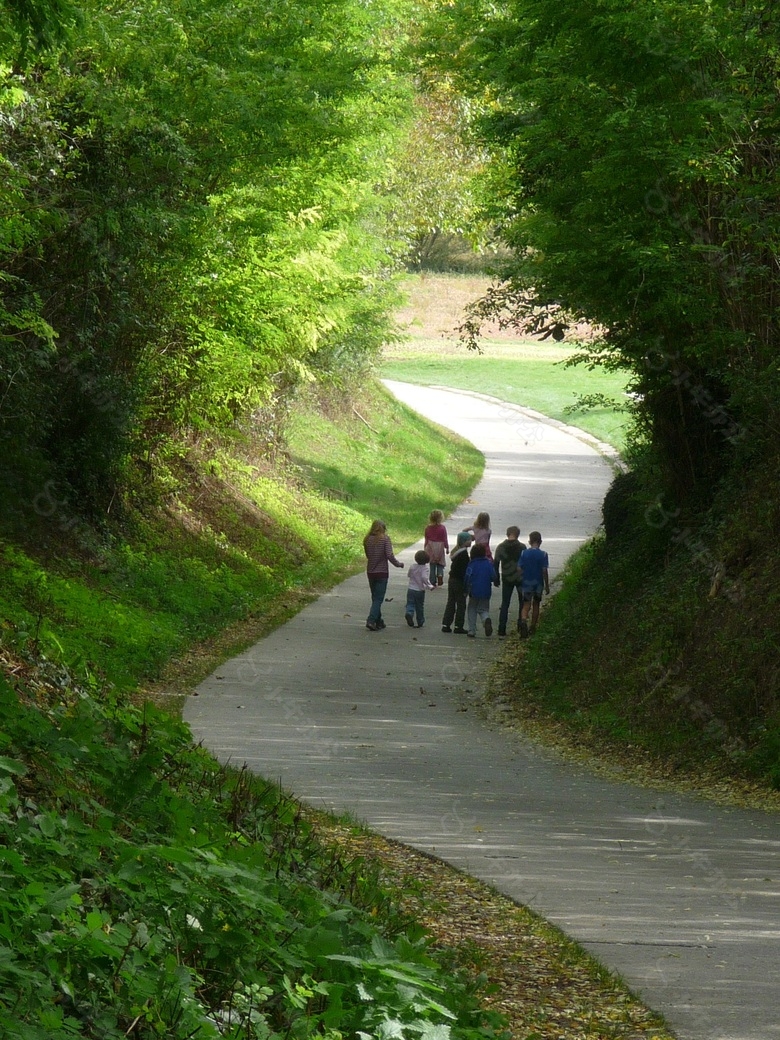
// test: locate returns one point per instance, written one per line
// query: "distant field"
(525, 372)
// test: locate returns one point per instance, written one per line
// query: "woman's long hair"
(378, 527)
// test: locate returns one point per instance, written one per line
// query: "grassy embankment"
(660, 654)
(148, 891)
(663, 640)
(241, 545)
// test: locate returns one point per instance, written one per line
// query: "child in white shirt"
(418, 584)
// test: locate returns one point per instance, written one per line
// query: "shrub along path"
(677, 895)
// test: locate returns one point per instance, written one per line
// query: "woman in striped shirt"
(379, 553)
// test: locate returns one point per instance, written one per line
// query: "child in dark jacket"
(479, 586)
(456, 586)
(508, 575)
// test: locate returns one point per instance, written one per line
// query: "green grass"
(532, 375)
(397, 468)
(240, 544)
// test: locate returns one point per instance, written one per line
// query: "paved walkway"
(682, 898)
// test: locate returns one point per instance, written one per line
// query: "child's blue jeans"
(415, 605)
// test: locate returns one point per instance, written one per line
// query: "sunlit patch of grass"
(396, 467)
(240, 546)
(529, 372)
(529, 376)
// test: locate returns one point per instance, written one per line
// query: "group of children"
(474, 572)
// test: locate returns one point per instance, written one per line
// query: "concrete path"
(680, 897)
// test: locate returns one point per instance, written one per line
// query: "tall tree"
(191, 218)
(639, 189)
(432, 189)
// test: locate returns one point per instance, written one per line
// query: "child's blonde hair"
(483, 521)
(436, 516)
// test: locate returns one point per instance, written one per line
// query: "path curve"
(679, 896)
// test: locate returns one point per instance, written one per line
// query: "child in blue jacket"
(535, 564)
(479, 586)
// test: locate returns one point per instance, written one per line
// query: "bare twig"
(368, 424)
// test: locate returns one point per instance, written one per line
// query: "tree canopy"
(636, 182)
(190, 221)
(200, 201)
(34, 24)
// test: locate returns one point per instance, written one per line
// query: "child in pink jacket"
(437, 546)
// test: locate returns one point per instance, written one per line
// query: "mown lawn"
(530, 373)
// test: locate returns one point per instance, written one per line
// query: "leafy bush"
(654, 641)
(619, 508)
(201, 183)
(149, 891)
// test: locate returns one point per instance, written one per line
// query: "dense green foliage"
(149, 892)
(636, 183)
(34, 24)
(189, 226)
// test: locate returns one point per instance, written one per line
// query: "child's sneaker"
(372, 626)
(488, 627)
(524, 630)
(409, 620)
